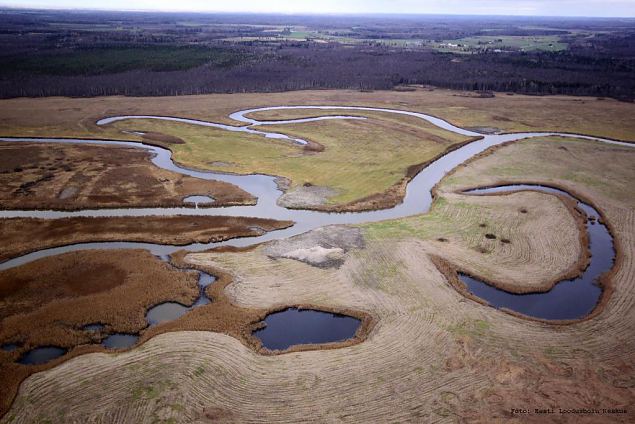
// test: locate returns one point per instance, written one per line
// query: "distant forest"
(149, 54)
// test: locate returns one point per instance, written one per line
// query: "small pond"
(297, 327)
(169, 311)
(120, 341)
(9, 347)
(41, 355)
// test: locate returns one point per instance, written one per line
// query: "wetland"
(278, 327)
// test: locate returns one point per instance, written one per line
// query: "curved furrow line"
(417, 200)
(555, 304)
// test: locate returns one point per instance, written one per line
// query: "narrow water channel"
(568, 299)
(565, 301)
(169, 311)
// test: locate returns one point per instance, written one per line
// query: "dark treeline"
(296, 68)
(154, 54)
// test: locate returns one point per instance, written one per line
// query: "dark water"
(296, 327)
(163, 312)
(9, 347)
(569, 299)
(119, 341)
(41, 355)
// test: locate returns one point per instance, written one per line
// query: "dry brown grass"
(47, 302)
(43, 176)
(174, 230)
(433, 356)
(58, 116)
(367, 179)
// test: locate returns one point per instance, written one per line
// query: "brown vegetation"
(47, 302)
(72, 117)
(24, 235)
(68, 177)
(161, 139)
(433, 355)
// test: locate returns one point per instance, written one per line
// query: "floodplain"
(441, 352)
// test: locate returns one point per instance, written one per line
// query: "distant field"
(504, 43)
(61, 53)
(550, 43)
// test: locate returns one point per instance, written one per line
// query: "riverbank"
(72, 177)
(435, 352)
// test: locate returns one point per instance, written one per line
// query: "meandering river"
(417, 200)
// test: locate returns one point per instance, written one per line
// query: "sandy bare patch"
(302, 197)
(324, 247)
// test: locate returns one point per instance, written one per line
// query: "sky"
(592, 8)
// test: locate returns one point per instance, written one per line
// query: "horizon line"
(226, 12)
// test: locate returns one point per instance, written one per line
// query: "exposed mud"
(306, 197)
(425, 333)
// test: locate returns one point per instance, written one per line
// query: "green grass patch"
(549, 43)
(199, 371)
(146, 392)
(361, 158)
(437, 222)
